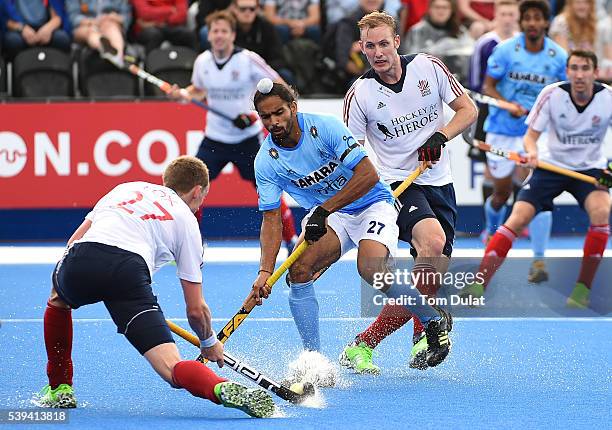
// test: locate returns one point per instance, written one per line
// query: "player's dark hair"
(285, 93)
(541, 5)
(589, 55)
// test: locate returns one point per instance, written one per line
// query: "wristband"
(207, 343)
(264, 270)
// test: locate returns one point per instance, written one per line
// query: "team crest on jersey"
(273, 153)
(313, 131)
(235, 75)
(552, 52)
(595, 121)
(424, 87)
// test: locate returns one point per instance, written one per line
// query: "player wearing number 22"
(577, 115)
(398, 107)
(131, 232)
(316, 159)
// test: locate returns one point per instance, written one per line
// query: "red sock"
(58, 342)
(288, 222)
(496, 252)
(425, 278)
(390, 319)
(594, 247)
(196, 378)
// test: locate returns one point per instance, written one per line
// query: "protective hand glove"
(432, 148)
(315, 227)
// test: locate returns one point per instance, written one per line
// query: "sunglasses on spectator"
(247, 8)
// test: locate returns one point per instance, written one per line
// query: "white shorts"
(499, 166)
(377, 222)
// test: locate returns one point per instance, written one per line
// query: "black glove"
(244, 120)
(315, 227)
(432, 148)
(605, 179)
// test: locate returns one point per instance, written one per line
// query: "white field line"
(222, 254)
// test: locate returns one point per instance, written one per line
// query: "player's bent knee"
(432, 246)
(163, 358)
(300, 271)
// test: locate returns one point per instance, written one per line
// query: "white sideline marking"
(226, 254)
(331, 319)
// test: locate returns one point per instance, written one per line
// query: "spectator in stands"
(478, 15)
(255, 33)
(28, 23)
(95, 19)
(205, 8)
(438, 32)
(412, 12)
(295, 18)
(335, 10)
(159, 20)
(344, 37)
(577, 27)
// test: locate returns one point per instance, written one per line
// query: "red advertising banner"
(64, 155)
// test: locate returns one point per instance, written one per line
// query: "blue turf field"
(511, 373)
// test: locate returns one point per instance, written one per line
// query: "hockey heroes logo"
(409, 122)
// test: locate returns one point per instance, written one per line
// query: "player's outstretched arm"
(364, 178)
(200, 320)
(270, 238)
(531, 147)
(465, 115)
(489, 88)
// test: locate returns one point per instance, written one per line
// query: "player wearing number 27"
(131, 232)
(398, 107)
(316, 159)
(577, 115)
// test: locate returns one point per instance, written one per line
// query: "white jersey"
(230, 87)
(151, 221)
(575, 133)
(397, 119)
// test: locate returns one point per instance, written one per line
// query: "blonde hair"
(184, 173)
(378, 19)
(581, 30)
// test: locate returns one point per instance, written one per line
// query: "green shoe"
(475, 290)
(579, 297)
(255, 402)
(418, 354)
(359, 358)
(60, 397)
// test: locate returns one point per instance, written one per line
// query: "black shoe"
(447, 315)
(438, 342)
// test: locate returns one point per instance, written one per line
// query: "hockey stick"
(516, 157)
(249, 372)
(491, 101)
(130, 65)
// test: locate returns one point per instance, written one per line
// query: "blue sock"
(423, 311)
(305, 310)
(539, 233)
(494, 218)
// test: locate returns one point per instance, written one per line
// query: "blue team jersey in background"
(317, 168)
(521, 75)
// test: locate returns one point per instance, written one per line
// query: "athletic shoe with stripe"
(438, 341)
(358, 356)
(418, 354)
(537, 272)
(255, 402)
(60, 397)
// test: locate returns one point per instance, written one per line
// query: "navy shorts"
(216, 155)
(543, 186)
(92, 272)
(427, 201)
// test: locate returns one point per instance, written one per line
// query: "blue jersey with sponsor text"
(522, 75)
(317, 168)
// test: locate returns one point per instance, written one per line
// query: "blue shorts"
(427, 201)
(216, 155)
(92, 272)
(544, 186)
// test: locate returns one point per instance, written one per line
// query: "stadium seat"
(99, 79)
(172, 64)
(42, 72)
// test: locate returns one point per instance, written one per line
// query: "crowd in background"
(313, 44)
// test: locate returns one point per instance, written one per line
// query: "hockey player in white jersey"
(398, 107)
(577, 114)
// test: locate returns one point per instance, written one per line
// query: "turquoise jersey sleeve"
(497, 64)
(268, 190)
(342, 143)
